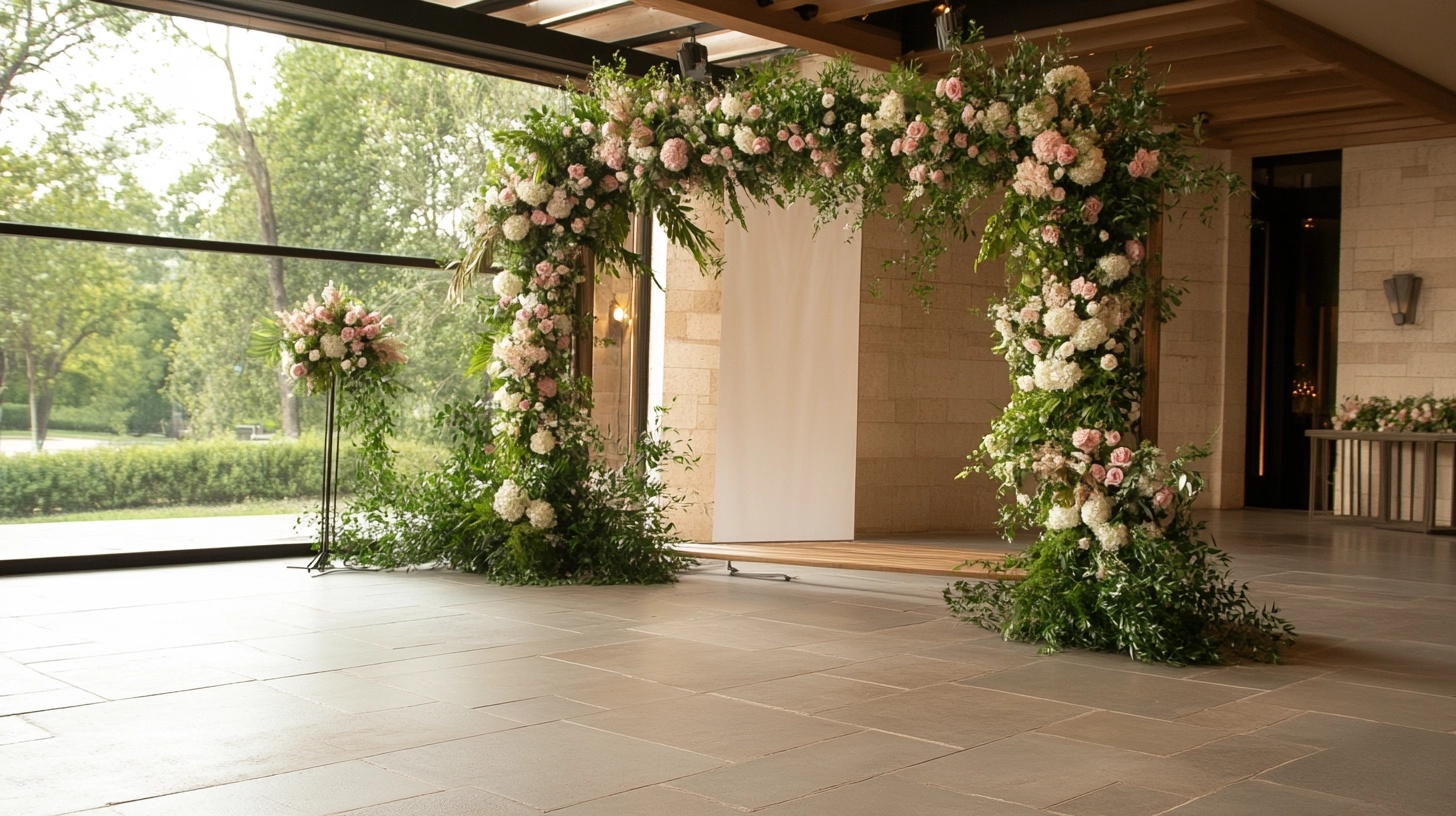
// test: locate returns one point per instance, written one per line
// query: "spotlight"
(692, 58)
(807, 13)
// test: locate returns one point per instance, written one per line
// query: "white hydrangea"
(506, 285)
(1090, 166)
(543, 442)
(534, 193)
(1113, 267)
(743, 136)
(1096, 510)
(1091, 334)
(1061, 322)
(1037, 115)
(1062, 518)
(516, 227)
(541, 514)
(332, 345)
(1113, 537)
(995, 117)
(732, 106)
(1026, 382)
(1057, 375)
(510, 501)
(559, 207)
(1078, 86)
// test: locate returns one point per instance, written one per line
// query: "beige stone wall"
(929, 387)
(690, 377)
(1204, 358)
(1399, 215)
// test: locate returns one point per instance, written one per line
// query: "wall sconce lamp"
(692, 58)
(947, 25)
(619, 313)
(1402, 292)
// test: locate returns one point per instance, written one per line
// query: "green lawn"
(260, 508)
(9, 439)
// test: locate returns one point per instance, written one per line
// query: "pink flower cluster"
(337, 335)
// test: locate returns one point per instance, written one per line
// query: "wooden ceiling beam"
(1373, 70)
(833, 11)
(873, 48)
(1239, 68)
(1255, 106)
(1355, 120)
(1302, 141)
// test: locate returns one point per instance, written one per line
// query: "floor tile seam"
(1023, 695)
(830, 673)
(1323, 673)
(725, 762)
(1052, 808)
(616, 673)
(938, 786)
(259, 778)
(1451, 696)
(1141, 754)
(829, 629)
(956, 748)
(1347, 717)
(1267, 692)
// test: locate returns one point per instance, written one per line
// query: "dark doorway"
(1294, 286)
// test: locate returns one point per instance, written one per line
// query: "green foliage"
(16, 417)
(151, 475)
(1428, 414)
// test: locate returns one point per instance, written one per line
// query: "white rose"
(313, 356)
(1109, 362)
(299, 346)
(516, 227)
(827, 100)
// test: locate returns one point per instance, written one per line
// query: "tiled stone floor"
(255, 690)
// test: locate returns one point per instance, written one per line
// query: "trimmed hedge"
(109, 478)
(16, 417)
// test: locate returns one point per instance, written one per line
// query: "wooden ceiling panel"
(869, 46)
(721, 45)
(624, 23)
(541, 12)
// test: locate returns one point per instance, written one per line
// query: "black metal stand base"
(734, 572)
(329, 501)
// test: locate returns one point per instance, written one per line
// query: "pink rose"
(546, 326)
(1134, 250)
(1089, 291)
(961, 140)
(546, 387)
(1144, 163)
(917, 130)
(576, 171)
(755, 111)
(811, 140)
(828, 169)
(609, 182)
(1066, 154)
(1122, 457)
(796, 143)
(938, 176)
(968, 116)
(1029, 315)
(1098, 473)
(761, 145)
(1087, 440)
(954, 88)
(542, 310)
(298, 370)
(909, 145)
(1033, 345)
(917, 174)
(346, 334)
(896, 146)
(577, 226)
(1114, 477)
(1163, 498)
(1113, 437)
(1091, 209)
(1051, 233)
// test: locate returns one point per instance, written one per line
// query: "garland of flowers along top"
(1085, 172)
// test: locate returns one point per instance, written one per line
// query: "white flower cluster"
(1056, 375)
(512, 502)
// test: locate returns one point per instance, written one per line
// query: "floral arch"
(1119, 563)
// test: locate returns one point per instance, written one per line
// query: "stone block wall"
(690, 376)
(1204, 359)
(1399, 215)
(929, 386)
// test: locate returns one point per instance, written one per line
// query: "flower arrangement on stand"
(1086, 170)
(336, 344)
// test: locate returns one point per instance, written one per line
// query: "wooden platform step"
(922, 559)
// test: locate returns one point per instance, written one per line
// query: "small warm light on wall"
(1309, 223)
(619, 313)
(1401, 292)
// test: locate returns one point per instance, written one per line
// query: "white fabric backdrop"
(788, 383)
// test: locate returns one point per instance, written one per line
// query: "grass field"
(261, 508)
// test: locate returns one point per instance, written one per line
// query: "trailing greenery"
(108, 478)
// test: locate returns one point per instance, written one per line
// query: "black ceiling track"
(679, 33)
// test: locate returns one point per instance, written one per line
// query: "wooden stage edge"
(921, 559)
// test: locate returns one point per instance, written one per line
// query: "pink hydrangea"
(674, 154)
(1046, 144)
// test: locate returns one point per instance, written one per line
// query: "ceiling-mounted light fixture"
(947, 25)
(692, 58)
(807, 12)
(1401, 293)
